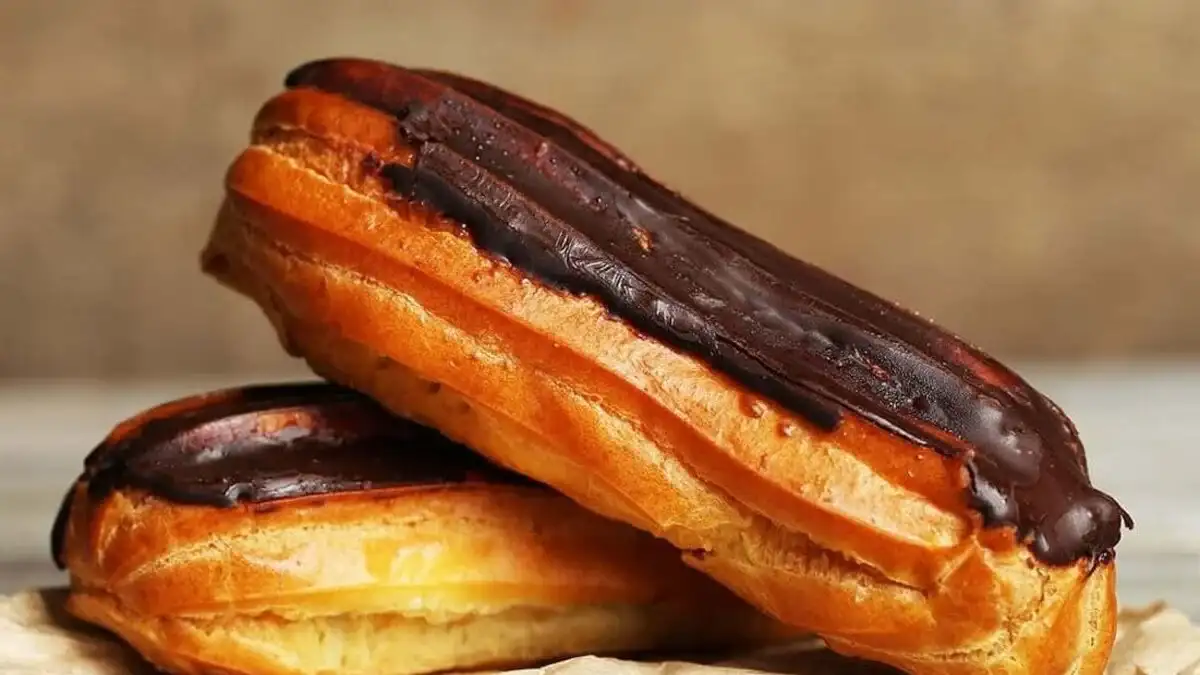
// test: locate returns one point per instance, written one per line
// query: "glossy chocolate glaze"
(543, 193)
(272, 442)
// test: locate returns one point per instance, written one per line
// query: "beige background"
(1025, 172)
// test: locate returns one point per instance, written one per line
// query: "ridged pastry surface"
(544, 194)
(382, 248)
(356, 542)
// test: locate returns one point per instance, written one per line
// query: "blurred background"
(1023, 172)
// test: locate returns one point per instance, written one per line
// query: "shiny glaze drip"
(538, 190)
(272, 442)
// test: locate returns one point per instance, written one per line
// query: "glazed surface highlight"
(273, 442)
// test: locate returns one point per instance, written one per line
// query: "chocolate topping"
(272, 442)
(538, 190)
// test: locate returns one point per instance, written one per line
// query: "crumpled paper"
(37, 637)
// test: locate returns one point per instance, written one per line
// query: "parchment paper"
(37, 637)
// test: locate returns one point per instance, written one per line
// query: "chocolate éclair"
(301, 528)
(841, 462)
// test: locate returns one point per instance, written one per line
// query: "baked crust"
(402, 580)
(856, 534)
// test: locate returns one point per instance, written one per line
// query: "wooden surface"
(1140, 426)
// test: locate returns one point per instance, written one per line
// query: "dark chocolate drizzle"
(246, 446)
(540, 191)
